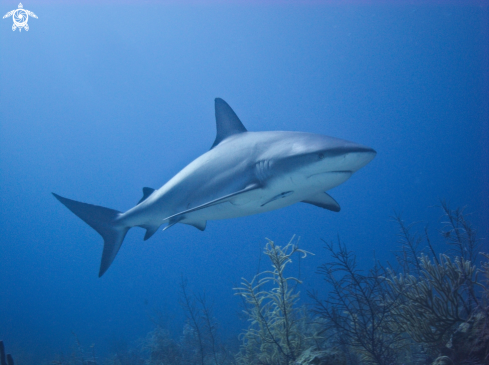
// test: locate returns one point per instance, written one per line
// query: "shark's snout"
(358, 156)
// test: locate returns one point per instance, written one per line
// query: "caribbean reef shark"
(244, 173)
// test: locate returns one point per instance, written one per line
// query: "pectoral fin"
(324, 201)
(223, 199)
(197, 224)
(172, 222)
(279, 196)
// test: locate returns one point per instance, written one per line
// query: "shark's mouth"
(344, 172)
(330, 179)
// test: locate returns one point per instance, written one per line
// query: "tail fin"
(102, 220)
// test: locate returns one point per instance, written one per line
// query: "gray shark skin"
(244, 173)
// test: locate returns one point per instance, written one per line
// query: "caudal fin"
(103, 221)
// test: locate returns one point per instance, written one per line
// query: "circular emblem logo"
(20, 18)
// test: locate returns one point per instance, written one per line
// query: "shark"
(243, 173)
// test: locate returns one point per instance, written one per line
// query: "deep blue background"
(97, 101)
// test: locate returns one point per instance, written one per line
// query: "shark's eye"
(320, 156)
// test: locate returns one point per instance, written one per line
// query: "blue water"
(98, 101)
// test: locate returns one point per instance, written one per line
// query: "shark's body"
(244, 173)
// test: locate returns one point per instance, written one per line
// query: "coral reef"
(162, 348)
(199, 342)
(356, 312)
(470, 340)
(427, 308)
(443, 360)
(324, 357)
(440, 299)
(78, 356)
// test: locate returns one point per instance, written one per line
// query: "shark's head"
(317, 154)
(321, 160)
(314, 156)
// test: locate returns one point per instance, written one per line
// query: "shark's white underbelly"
(277, 195)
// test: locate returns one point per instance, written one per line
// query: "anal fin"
(323, 200)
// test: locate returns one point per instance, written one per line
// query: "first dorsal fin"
(227, 122)
(146, 192)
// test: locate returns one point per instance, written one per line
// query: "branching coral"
(277, 333)
(485, 273)
(459, 233)
(162, 348)
(356, 311)
(431, 296)
(200, 342)
(428, 306)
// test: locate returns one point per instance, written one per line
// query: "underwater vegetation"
(426, 307)
(279, 330)
(356, 312)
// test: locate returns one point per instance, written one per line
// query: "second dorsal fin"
(227, 122)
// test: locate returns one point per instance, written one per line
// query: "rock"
(443, 360)
(9, 361)
(2, 354)
(471, 340)
(324, 357)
